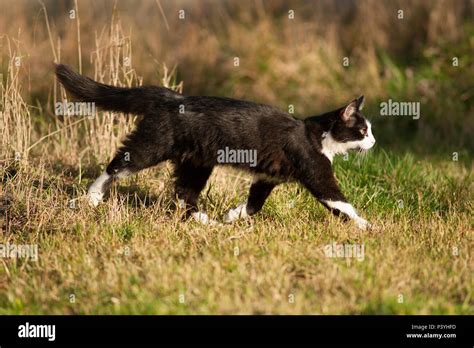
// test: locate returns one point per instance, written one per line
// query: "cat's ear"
(352, 108)
(348, 111)
(360, 102)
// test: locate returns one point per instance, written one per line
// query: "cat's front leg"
(324, 187)
(259, 192)
(348, 210)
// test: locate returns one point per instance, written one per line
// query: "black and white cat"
(191, 130)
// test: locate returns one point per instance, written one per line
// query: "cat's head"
(350, 130)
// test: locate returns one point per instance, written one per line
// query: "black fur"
(287, 149)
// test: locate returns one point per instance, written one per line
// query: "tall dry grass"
(73, 139)
(15, 125)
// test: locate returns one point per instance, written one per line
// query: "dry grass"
(134, 255)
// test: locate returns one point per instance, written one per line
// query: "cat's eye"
(363, 131)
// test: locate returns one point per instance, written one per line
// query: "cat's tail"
(135, 100)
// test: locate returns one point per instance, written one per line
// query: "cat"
(191, 131)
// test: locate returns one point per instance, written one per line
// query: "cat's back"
(228, 108)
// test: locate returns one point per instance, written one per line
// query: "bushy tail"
(128, 100)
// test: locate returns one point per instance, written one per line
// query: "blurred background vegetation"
(282, 61)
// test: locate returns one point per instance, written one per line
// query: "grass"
(134, 255)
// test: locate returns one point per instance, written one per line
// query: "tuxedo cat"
(191, 131)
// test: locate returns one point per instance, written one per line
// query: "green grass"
(132, 254)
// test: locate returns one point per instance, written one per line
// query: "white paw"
(362, 224)
(96, 190)
(95, 197)
(235, 214)
(203, 218)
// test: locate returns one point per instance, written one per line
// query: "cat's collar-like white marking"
(331, 147)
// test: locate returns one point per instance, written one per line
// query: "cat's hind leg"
(190, 180)
(98, 189)
(129, 159)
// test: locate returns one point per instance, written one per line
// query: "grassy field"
(133, 254)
